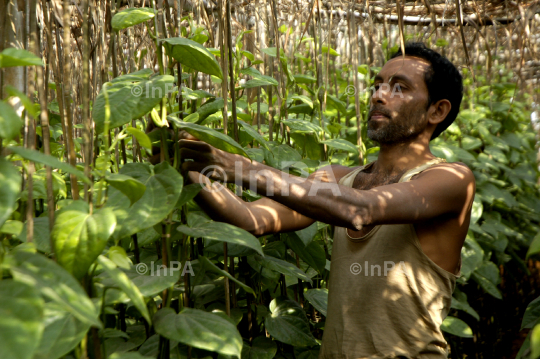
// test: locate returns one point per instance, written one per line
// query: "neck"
(396, 158)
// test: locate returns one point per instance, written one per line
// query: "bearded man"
(400, 221)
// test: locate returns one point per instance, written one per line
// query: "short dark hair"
(443, 81)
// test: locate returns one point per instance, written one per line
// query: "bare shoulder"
(450, 170)
(332, 173)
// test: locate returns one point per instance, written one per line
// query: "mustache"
(380, 109)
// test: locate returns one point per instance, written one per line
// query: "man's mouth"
(376, 115)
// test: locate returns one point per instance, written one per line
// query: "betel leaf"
(534, 248)
(261, 348)
(79, 237)
(130, 17)
(151, 283)
(341, 144)
(193, 55)
(55, 283)
(199, 329)
(188, 193)
(42, 234)
(254, 134)
(62, 333)
(288, 323)
(208, 109)
(318, 298)
(313, 254)
(129, 186)
(129, 100)
(532, 314)
(141, 137)
(127, 286)
(304, 79)
(456, 327)
(223, 232)
(10, 122)
(18, 57)
(10, 186)
(21, 310)
(214, 138)
(277, 265)
(163, 186)
(209, 266)
(36, 156)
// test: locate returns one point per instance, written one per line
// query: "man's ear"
(438, 111)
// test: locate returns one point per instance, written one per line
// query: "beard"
(404, 127)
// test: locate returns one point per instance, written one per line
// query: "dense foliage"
(138, 270)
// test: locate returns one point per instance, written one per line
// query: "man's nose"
(380, 95)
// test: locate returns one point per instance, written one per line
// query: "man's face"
(399, 104)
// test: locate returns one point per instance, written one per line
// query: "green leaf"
(223, 232)
(199, 329)
(208, 109)
(151, 283)
(341, 144)
(270, 51)
(18, 57)
(325, 50)
(487, 285)
(302, 126)
(302, 98)
(130, 17)
(209, 266)
(288, 323)
(42, 235)
(55, 283)
(127, 286)
(10, 122)
(129, 186)
(12, 227)
(128, 355)
(267, 80)
(258, 82)
(119, 257)
(535, 342)
(214, 138)
(337, 103)
(21, 310)
(163, 186)
(130, 99)
(79, 237)
(534, 248)
(141, 137)
(10, 186)
(277, 265)
(456, 327)
(464, 306)
(188, 193)
(470, 143)
(304, 79)
(261, 348)
(63, 332)
(36, 156)
(254, 134)
(477, 210)
(318, 298)
(532, 314)
(193, 55)
(313, 254)
(471, 256)
(29, 105)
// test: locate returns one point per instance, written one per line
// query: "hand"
(155, 156)
(212, 162)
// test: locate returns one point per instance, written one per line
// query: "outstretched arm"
(259, 217)
(443, 190)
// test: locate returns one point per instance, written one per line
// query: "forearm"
(312, 197)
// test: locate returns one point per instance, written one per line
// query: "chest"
(366, 181)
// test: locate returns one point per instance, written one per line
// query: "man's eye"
(397, 87)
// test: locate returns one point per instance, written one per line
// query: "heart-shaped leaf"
(199, 329)
(129, 186)
(214, 138)
(10, 122)
(193, 55)
(127, 286)
(318, 298)
(79, 237)
(163, 186)
(288, 323)
(18, 57)
(55, 283)
(130, 17)
(10, 186)
(21, 310)
(223, 232)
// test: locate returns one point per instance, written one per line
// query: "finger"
(184, 135)
(195, 145)
(188, 153)
(192, 166)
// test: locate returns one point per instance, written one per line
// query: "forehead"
(411, 67)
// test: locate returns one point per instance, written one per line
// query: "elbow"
(360, 219)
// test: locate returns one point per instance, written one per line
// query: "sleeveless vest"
(386, 298)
